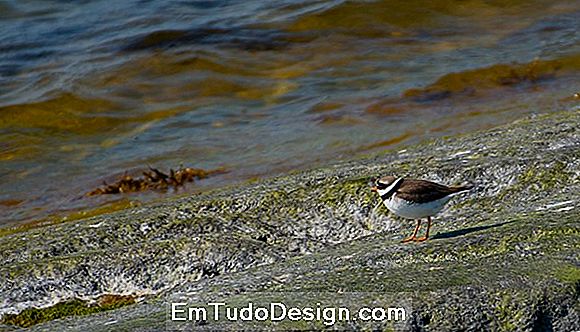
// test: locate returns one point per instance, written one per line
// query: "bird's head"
(386, 185)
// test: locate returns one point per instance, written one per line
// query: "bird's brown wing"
(421, 191)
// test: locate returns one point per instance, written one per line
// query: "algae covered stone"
(502, 258)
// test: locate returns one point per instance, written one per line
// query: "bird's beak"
(374, 189)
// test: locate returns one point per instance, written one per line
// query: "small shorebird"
(415, 199)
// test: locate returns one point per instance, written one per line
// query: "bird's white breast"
(412, 210)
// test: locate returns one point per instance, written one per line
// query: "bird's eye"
(381, 185)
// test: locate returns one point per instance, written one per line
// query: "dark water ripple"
(245, 39)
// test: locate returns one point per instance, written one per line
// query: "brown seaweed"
(154, 179)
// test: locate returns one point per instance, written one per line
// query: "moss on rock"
(75, 307)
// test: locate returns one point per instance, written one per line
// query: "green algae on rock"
(75, 307)
(504, 257)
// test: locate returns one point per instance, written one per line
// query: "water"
(91, 89)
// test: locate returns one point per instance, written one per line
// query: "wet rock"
(504, 257)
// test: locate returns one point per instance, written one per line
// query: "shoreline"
(223, 238)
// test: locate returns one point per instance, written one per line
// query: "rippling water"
(90, 89)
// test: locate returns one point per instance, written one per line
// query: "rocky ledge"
(503, 257)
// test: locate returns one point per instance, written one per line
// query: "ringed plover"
(415, 199)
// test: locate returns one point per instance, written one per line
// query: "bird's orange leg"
(414, 236)
(424, 238)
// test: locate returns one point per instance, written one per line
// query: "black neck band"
(386, 196)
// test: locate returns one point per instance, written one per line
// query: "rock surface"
(504, 257)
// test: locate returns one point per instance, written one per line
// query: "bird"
(415, 199)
